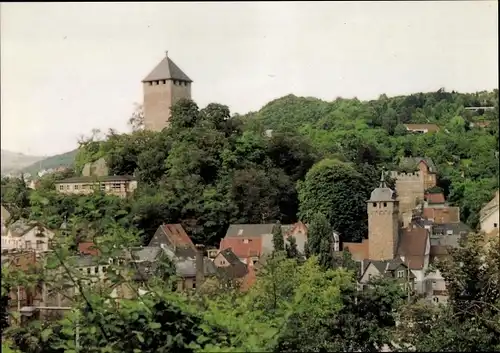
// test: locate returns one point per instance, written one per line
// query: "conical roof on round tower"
(383, 192)
(167, 70)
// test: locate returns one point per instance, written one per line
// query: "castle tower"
(163, 87)
(383, 224)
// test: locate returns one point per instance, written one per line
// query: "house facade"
(118, 185)
(395, 269)
(489, 215)
(27, 235)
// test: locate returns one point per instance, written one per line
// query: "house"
(489, 215)
(395, 269)
(88, 248)
(387, 241)
(24, 234)
(175, 238)
(248, 241)
(421, 128)
(192, 267)
(251, 241)
(434, 200)
(21, 296)
(229, 266)
(118, 185)
(299, 232)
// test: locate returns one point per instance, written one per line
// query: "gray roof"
(412, 163)
(92, 179)
(455, 228)
(249, 230)
(384, 267)
(167, 70)
(87, 261)
(382, 194)
(22, 226)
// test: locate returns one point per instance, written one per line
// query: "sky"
(67, 68)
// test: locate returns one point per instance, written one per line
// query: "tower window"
(374, 204)
(385, 204)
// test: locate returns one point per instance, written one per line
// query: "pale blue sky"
(67, 68)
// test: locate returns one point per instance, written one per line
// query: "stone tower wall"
(159, 96)
(383, 230)
(410, 190)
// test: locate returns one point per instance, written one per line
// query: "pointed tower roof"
(167, 70)
(382, 193)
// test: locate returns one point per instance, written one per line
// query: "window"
(96, 270)
(245, 241)
(61, 187)
(27, 244)
(88, 270)
(67, 187)
(76, 187)
(435, 300)
(103, 186)
(39, 245)
(194, 285)
(374, 204)
(495, 225)
(449, 232)
(370, 277)
(385, 204)
(116, 186)
(104, 268)
(433, 284)
(401, 274)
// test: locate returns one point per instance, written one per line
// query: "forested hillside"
(210, 169)
(321, 162)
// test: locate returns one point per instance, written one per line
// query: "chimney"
(200, 270)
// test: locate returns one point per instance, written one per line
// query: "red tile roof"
(412, 244)
(435, 198)
(177, 235)
(88, 248)
(442, 215)
(242, 247)
(359, 251)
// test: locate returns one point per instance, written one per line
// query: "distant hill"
(60, 160)
(13, 161)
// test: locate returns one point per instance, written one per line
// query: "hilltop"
(13, 161)
(60, 160)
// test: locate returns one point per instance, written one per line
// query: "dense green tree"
(338, 191)
(278, 241)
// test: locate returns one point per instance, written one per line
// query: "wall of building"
(10, 241)
(159, 96)
(109, 188)
(410, 190)
(489, 222)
